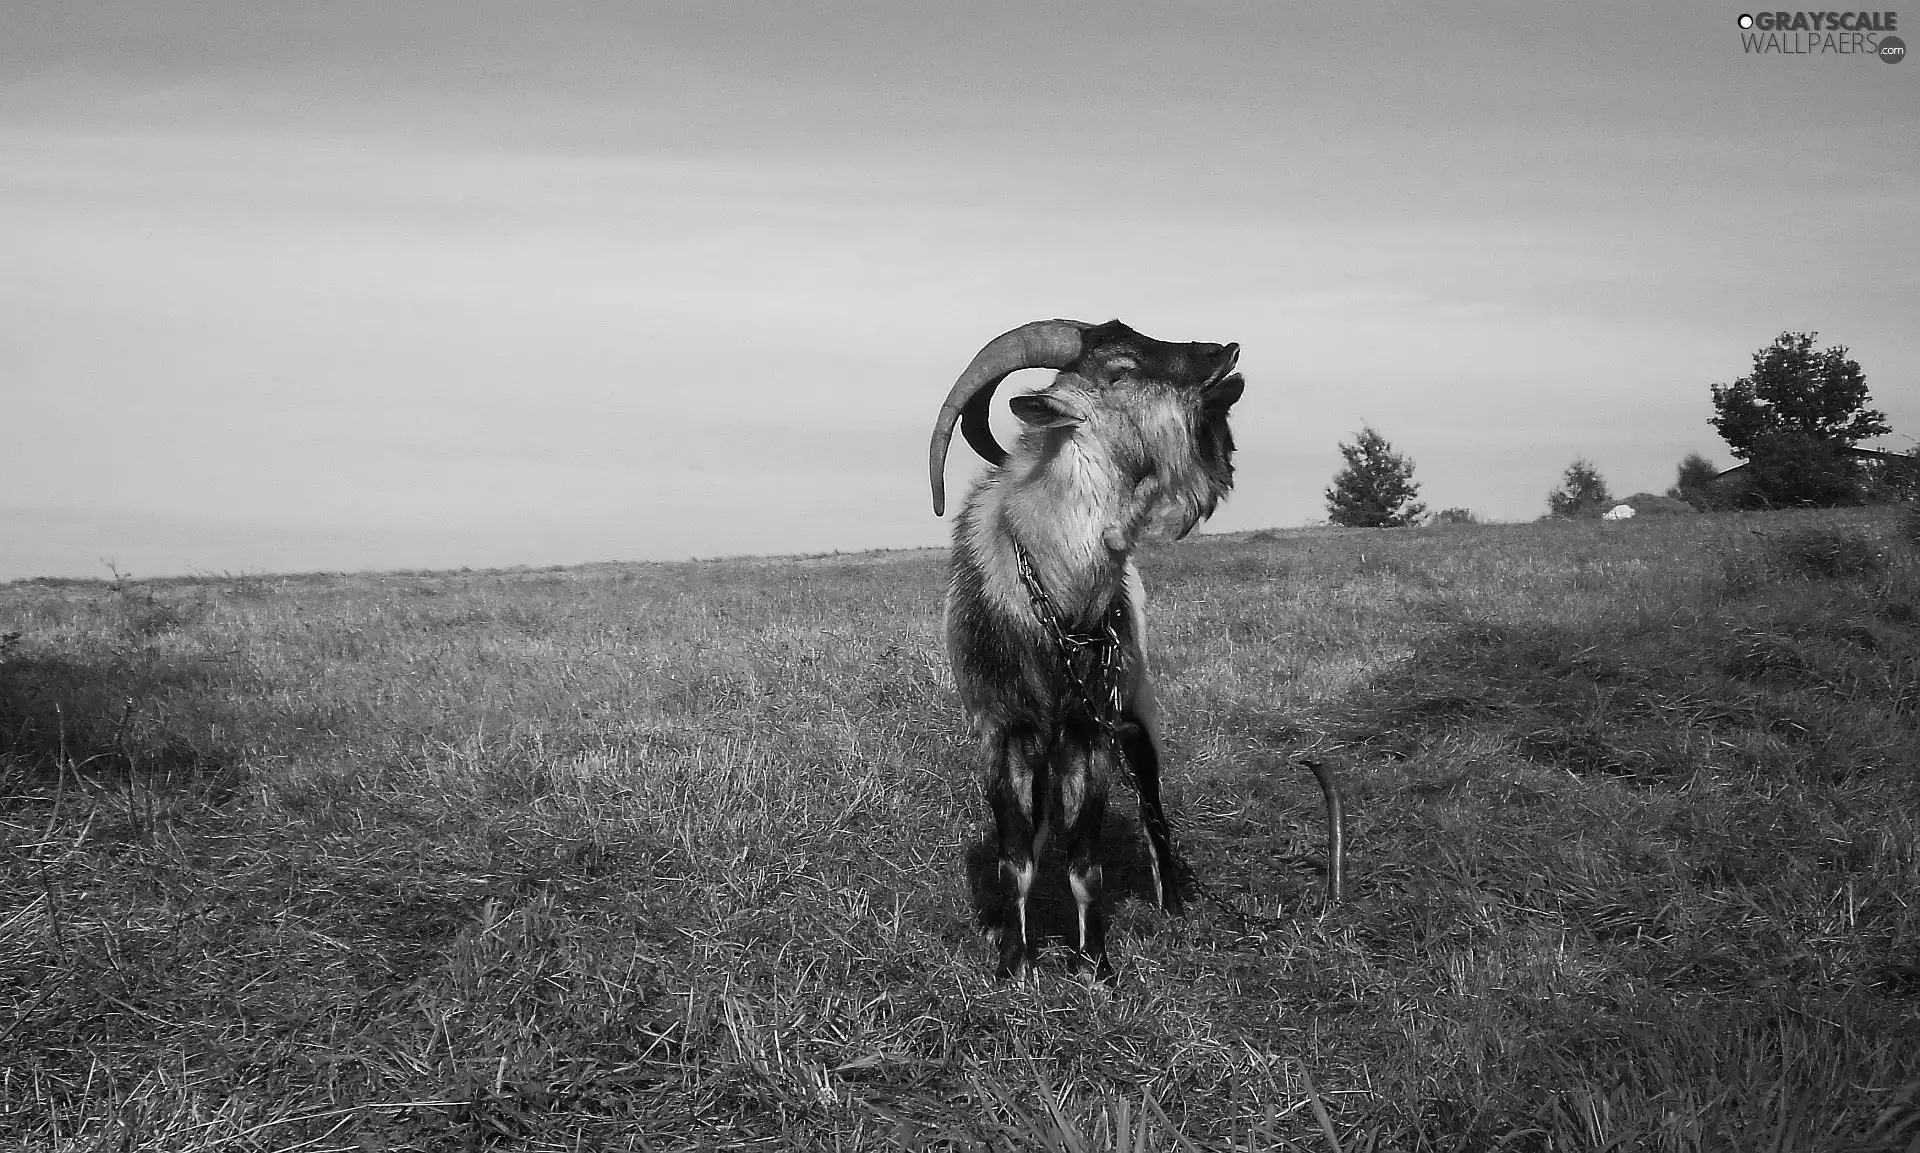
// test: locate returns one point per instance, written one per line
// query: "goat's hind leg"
(1015, 787)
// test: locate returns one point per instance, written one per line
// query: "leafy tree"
(1793, 418)
(1582, 492)
(1694, 484)
(1455, 516)
(1376, 489)
(1788, 468)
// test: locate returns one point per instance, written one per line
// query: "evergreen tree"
(1582, 492)
(1791, 420)
(1376, 489)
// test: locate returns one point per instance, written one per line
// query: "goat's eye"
(1120, 368)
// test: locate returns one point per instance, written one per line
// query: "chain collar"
(1091, 661)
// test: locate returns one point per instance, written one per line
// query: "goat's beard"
(1153, 514)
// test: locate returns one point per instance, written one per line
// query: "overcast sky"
(346, 286)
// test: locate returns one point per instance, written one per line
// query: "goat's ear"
(1220, 395)
(1047, 410)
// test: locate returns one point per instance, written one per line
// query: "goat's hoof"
(1097, 972)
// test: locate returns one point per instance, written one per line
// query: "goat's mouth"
(1229, 356)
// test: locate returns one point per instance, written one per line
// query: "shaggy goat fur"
(1131, 434)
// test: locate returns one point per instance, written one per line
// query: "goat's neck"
(1061, 508)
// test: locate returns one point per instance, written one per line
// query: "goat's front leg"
(1082, 771)
(1016, 787)
(1141, 746)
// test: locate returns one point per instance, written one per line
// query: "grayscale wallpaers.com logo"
(1823, 34)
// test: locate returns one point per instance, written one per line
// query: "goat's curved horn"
(1042, 344)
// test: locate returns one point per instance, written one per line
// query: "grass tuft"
(1824, 553)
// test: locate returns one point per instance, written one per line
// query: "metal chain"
(1103, 707)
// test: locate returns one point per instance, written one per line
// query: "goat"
(1046, 612)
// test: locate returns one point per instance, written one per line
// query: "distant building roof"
(1866, 453)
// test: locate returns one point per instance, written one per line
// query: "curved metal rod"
(1336, 832)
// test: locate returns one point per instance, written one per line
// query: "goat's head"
(1157, 410)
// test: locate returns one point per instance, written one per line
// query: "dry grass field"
(692, 856)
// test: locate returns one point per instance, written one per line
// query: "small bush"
(1696, 484)
(1454, 516)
